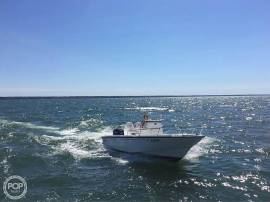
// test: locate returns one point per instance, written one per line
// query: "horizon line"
(130, 96)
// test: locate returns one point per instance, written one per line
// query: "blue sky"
(120, 47)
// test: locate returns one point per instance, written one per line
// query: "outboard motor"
(118, 131)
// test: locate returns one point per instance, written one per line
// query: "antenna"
(201, 131)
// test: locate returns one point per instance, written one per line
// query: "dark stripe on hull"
(149, 155)
(150, 136)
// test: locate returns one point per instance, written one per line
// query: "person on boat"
(145, 118)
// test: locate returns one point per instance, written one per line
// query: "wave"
(149, 108)
(29, 125)
(80, 144)
(200, 148)
(69, 132)
(74, 150)
(5, 166)
(90, 122)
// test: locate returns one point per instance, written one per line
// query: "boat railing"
(151, 129)
(139, 131)
(159, 131)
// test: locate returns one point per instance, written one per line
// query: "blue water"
(55, 144)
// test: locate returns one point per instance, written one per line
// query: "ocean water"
(55, 144)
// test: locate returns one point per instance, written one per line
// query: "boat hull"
(174, 147)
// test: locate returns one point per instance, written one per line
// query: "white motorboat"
(147, 137)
